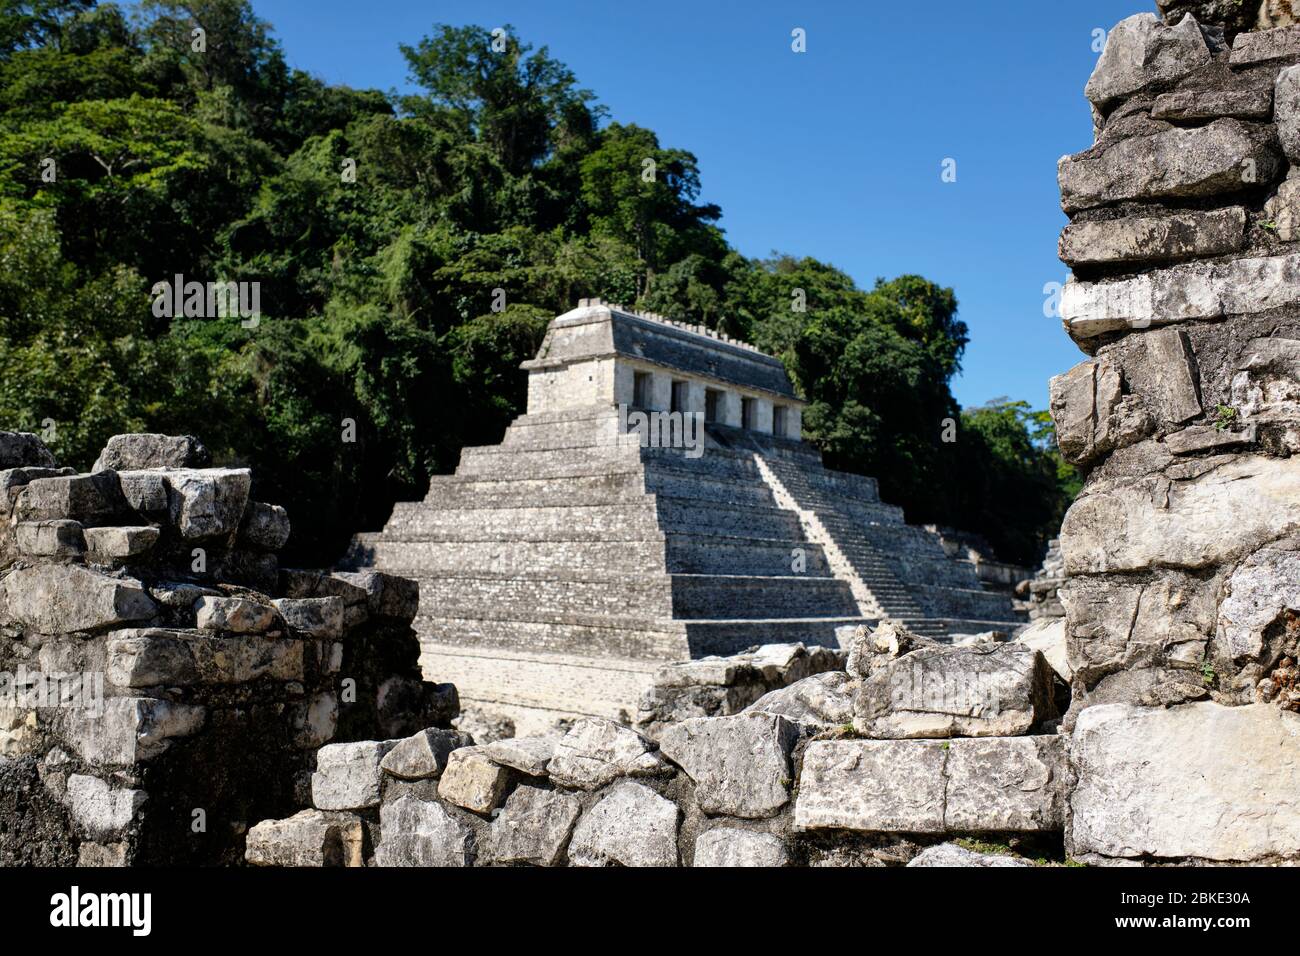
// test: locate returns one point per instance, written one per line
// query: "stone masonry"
(560, 569)
(163, 682)
(1182, 554)
(883, 759)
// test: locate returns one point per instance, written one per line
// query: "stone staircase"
(560, 568)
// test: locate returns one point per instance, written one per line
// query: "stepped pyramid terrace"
(655, 504)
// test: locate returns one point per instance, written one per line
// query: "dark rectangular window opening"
(748, 412)
(641, 382)
(780, 421)
(679, 397)
(712, 405)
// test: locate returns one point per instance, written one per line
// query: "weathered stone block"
(1047, 636)
(1234, 15)
(146, 492)
(1184, 235)
(1141, 52)
(1200, 781)
(472, 780)
(101, 811)
(235, 615)
(1120, 625)
(1287, 100)
(528, 755)
(1259, 593)
(1229, 511)
(264, 526)
(1191, 291)
(424, 755)
(1266, 386)
(1012, 785)
(631, 826)
(873, 648)
(315, 720)
(387, 595)
(1083, 402)
(534, 827)
(60, 599)
(950, 854)
(23, 450)
(313, 617)
(1214, 104)
(730, 846)
(150, 658)
(596, 752)
(415, 832)
(50, 539)
(90, 499)
(138, 451)
(1168, 378)
(347, 775)
(1279, 44)
(1223, 158)
(14, 480)
(922, 786)
(129, 729)
(740, 764)
(209, 502)
(814, 703)
(120, 544)
(308, 838)
(984, 690)
(872, 785)
(1197, 438)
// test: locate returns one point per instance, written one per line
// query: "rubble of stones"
(165, 682)
(881, 759)
(1042, 591)
(1182, 553)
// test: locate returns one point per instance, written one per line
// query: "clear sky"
(835, 153)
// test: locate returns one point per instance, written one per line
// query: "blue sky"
(835, 153)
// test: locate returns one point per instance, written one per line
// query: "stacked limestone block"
(720, 686)
(915, 744)
(165, 682)
(1182, 553)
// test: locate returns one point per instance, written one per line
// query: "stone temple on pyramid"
(605, 536)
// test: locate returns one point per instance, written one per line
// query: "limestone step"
(514, 557)
(722, 596)
(576, 522)
(466, 492)
(535, 689)
(682, 484)
(693, 515)
(591, 635)
(718, 554)
(967, 603)
(516, 595)
(497, 462)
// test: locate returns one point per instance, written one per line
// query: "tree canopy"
(410, 251)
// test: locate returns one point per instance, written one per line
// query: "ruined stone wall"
(882, 759)
(1182, 554)
(163, 683)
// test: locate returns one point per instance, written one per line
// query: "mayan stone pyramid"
(606, 536)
